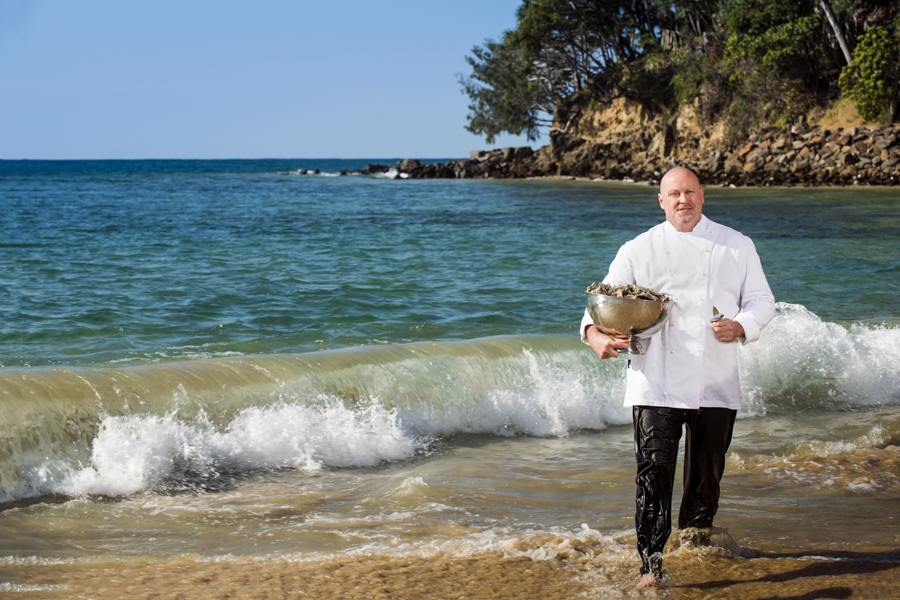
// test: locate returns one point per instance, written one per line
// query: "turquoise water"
(398, 360)
(129, 262)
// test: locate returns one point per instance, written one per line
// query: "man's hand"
(727, 330)
(606, 342)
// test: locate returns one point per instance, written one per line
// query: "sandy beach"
(692, 574)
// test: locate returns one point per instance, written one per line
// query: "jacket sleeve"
(620, 273)
(586, 320)
(621, 269)
(757, 301)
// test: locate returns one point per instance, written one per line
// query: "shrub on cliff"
(873, 80)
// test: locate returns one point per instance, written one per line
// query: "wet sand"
(692, 573)
(797, 577)
(371, 577)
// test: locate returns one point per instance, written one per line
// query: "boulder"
(371, 169)
(523, 152)
(407, 165)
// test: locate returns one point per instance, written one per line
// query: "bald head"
(681, 196)
(676, 172)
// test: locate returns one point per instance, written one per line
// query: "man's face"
(681, 196)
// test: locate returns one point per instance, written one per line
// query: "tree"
(563, 54)
(826, 7)
(503, 97)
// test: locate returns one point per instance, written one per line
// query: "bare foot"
(648, 581)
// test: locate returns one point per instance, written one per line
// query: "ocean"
(225, 377)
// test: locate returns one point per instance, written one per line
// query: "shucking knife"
(717, 316)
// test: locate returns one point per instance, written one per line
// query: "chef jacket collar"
(701, 226)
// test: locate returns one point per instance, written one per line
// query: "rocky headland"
(620, 142)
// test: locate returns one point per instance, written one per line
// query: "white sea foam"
(135, 453)
(528, 394)
(406, 396)
(548, 544)
(20, 588)
(531, 394)
(391, 173)
(803, 362)
(554, 402)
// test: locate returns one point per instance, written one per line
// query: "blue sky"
(227, 79)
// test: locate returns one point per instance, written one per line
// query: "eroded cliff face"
(624, 131)
(622, 141)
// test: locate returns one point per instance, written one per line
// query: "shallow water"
(221, 374)
(477, 491)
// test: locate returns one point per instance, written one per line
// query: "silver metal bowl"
(627, 316)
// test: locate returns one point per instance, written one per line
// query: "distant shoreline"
(797, 157)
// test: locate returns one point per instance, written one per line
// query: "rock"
(733, 165)
(523, 152)
(371, 169)
(883, 143)
(715, 540)
(745, 150)
(407, 165)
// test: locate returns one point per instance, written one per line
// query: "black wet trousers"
(657, 431)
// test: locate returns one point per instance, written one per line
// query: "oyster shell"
(630, 291)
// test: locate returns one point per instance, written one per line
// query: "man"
(688, 375)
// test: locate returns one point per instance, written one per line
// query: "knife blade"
(717, 316)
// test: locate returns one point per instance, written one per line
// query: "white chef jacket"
(684, 365)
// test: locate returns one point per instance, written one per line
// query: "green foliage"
(775, 45)
(756, 61)
(688, 80)
(786, 38)
(755, 17)
(563, 54)
(503, 98)
(782, 58)
(873, 79)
